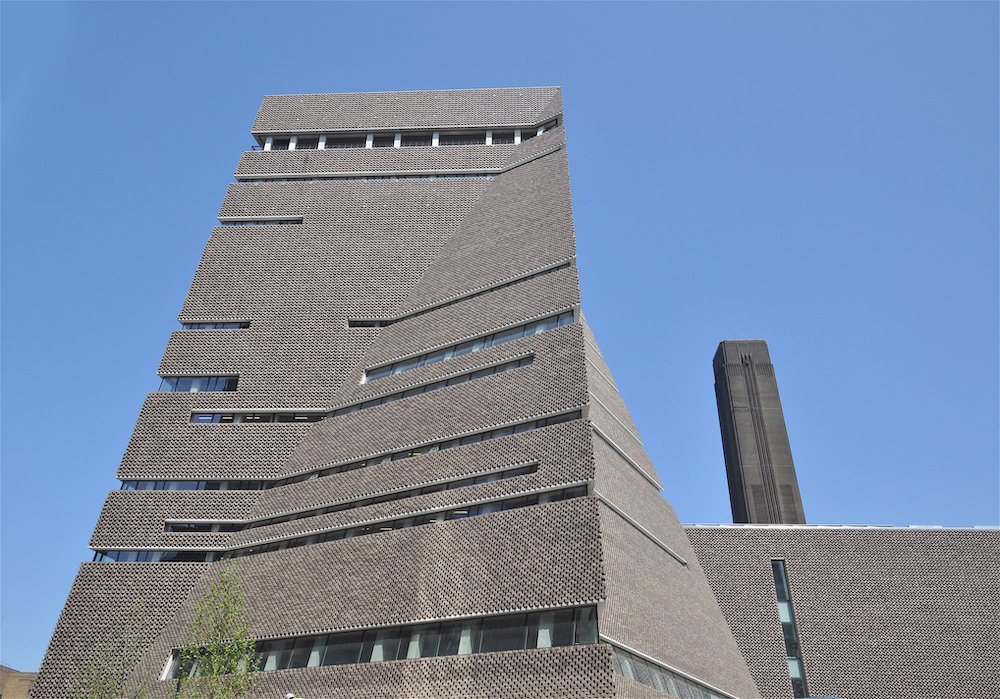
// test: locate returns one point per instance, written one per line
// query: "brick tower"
(385, 409)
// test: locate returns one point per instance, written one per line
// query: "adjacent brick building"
(385, 407)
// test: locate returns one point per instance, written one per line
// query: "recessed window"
(477, 138)
(504, 474)
(660, 678)
(307, 143)
(345, 141)
(262, 222)
(384, 140)
(352, 465)
(502, 137)
(197, 384)
(280, 143)
(435, 639)
(789, 630)
(457, 350)
(416, 139)
(577, 491)
(217, 326)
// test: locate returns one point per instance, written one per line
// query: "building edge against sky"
(384, 405)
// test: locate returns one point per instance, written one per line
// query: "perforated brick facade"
(881, 611)
(431, 247)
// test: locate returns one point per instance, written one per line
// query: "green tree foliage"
(219, 660)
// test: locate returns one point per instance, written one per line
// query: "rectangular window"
(416, 139)
(240, 325)
(788, 629)
(197, 384)
(345, 141)
(477, 138)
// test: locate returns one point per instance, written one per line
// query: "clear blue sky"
(823, 176)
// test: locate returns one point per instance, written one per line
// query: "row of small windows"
(198, 384)
(546, 629)
(353, 504)
(407, 139)
(480, 343)
(229, 418)
(348, 533)
(652, 675)
(262, 222)
(241, 325)
(385, 322)
(360, 177)
(340, 468)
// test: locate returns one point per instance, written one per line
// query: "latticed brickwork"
(407, 110)
(445, 259)
(880, 612)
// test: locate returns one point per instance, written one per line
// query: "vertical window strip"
(792, 649)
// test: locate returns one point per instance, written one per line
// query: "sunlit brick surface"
(444, 259)
(881, 612)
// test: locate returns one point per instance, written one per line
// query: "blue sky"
(821, 175)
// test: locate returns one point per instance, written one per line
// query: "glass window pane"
(562, 627)
(301, 652)
(503, 633)
(381, 645)
(586, 625)
(343, 648)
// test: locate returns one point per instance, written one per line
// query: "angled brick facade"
(344, 260)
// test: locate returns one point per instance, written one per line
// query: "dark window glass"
(416, 139)
(301, 652)
(503, 633)
(586, 625)
(384, 140)
(500, 137)
(307, 144)
(280, 143)
(462, 139)
(344, 648)
(345, 141)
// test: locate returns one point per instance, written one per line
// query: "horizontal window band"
(418, 128)
(277, 416)
(484, 634)
(396, 174)
(649, 671)
(197, 384)
(503, 430)
(468, 345)
(223, 325)
(382, 322)
(262, 222)
(381, 526)
(356, 503)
